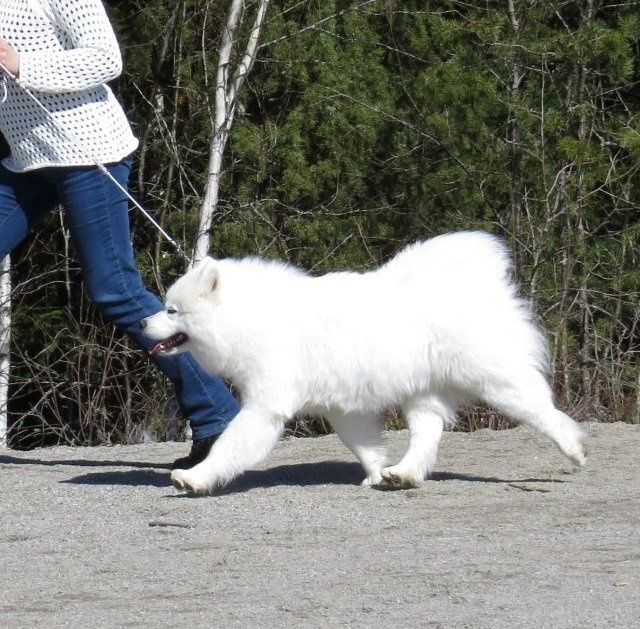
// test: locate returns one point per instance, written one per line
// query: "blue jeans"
(97, 217)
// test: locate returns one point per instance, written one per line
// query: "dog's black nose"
(143, 324)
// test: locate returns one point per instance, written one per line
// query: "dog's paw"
(578, 452)
(184, 480)
(373, 479)
(574, 447)
(398, 478)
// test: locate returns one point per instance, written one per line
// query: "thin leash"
(96, 162)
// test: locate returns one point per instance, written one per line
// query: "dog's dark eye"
(171, 311)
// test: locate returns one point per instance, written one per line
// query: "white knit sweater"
(68, 50)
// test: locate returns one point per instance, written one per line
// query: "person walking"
(64, 52)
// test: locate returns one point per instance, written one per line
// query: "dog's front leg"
(246, 441)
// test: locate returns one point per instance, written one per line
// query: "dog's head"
(187, 301)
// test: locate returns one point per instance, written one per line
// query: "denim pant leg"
(98, 220)
(24, 202)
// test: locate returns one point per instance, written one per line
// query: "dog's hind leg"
(247, 440)
(527, 398)
(426, 417)
(362, 434)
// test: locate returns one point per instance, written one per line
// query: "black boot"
(200, 448)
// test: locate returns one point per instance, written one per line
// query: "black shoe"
(200, 448)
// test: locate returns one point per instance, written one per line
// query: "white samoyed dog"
(437, 326)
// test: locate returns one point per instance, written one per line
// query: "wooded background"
(362, 126)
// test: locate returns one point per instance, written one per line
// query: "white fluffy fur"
(437, 326)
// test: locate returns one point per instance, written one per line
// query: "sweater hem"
(10, 165)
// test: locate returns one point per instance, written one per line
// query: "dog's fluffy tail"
(475, 271)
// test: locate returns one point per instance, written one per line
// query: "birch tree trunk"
(5, 331)
(228, 83)
(514, 139)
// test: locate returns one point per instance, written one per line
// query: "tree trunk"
(226, 95)
(5, 332)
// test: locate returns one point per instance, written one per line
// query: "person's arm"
(93, 60)
(9, 58)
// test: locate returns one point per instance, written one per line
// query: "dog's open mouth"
(166, 345)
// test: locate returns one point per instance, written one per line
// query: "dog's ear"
(208, 274)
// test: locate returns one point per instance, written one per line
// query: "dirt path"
(506, 535)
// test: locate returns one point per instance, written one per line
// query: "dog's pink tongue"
(170, 343)
(156, 348)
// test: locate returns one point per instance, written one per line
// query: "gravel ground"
(506, 535)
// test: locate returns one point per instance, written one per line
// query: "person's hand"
(9, 58)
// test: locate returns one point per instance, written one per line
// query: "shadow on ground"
(14, 460)
(298, 475)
